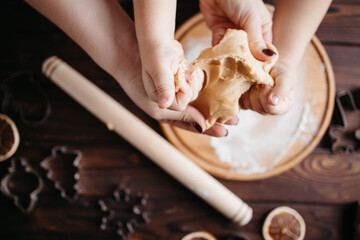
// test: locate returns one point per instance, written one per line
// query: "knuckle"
(165, 89)
(152, 94)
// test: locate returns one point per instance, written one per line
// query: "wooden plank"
(357, 223)
(322, 178)
(345, 61)
(58, 219)
(322, 188)
(341, 25)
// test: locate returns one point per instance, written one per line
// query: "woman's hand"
(253, 17)
(248, 15)
(107, 34)
(161, 55)
(189, 118)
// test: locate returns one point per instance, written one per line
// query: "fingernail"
(197, 127)
(274, 99)
(227, 133)
(163, 100)
(268, 52)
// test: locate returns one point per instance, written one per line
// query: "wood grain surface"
(319, 87)
(324, 188)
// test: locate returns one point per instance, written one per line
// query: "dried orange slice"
(9, 137)
(284, 223)
(200, 235)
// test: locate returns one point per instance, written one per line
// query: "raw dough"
(230, 70)
(179, 77)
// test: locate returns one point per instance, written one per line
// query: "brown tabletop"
(117, 192)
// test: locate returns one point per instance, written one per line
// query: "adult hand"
(189, 118)
(248, 15)
(107, 34)
(253, 17)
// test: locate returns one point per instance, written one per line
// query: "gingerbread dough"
(230, 70)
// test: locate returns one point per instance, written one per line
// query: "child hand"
(160, 62)
(275, 100)
(189, 118)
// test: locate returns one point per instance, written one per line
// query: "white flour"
(259, 142)
(194, 46)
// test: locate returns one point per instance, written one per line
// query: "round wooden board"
(319, 87)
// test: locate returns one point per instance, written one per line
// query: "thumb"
(257, 45)
(165, 88)
(280, 98)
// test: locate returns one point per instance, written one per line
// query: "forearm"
(101, 28)
(295, 22)
(154, 20)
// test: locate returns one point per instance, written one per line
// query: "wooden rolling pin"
(144, 138)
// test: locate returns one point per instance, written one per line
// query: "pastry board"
(318, 88)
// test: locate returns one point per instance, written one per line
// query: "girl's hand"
(160, 62)
(275, 100)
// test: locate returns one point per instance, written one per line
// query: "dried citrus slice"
(200, 235)
(284, 223)
(9, 137)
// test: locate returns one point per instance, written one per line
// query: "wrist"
(290, 58)
(155, 49)
(155, 40)
(125, 61)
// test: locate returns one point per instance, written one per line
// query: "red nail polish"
(197, 127)
(268, 52)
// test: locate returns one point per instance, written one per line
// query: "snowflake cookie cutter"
(124, 212)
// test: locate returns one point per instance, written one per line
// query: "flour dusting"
(260, 142)
(194, 46)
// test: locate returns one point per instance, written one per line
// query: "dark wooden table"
(324, 188)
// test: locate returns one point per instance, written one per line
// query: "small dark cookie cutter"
(6, 184)
(346, 135)
(7, 98)
(124, 211)
(62, 183)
